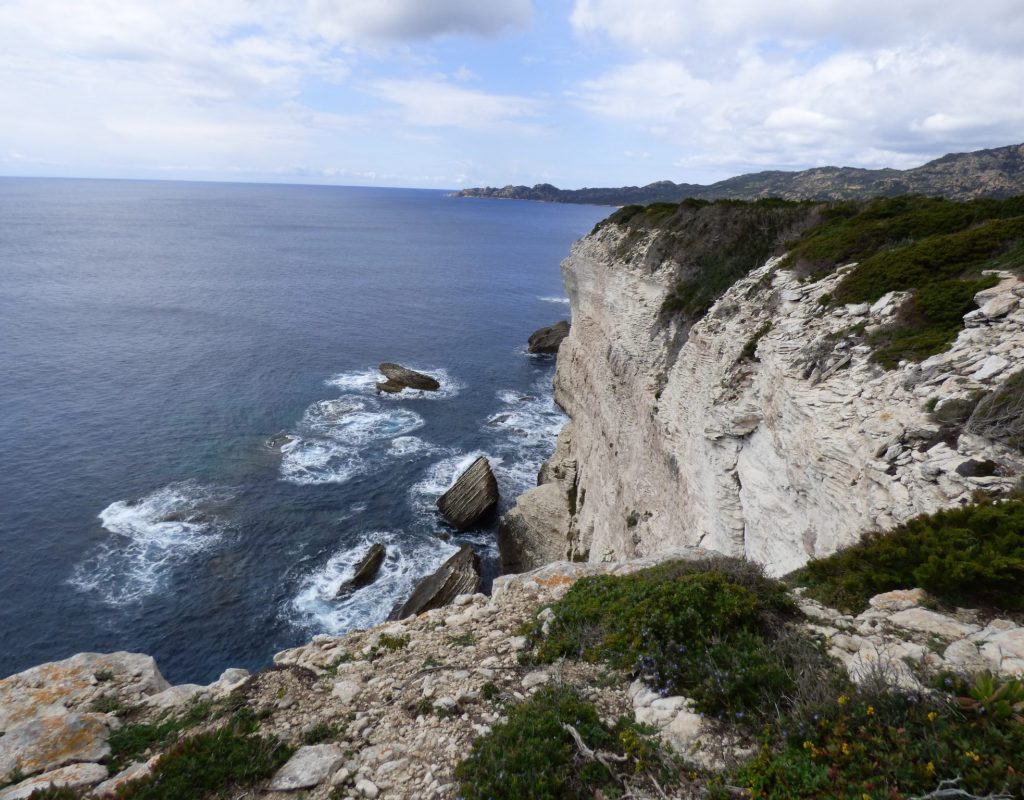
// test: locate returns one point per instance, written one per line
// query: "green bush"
(971, 556)
(934, 248)
(212, 764)
(532, 757)
(130, 741)
(889, 744)
(706, 630)
(999, 415)
(749, 351)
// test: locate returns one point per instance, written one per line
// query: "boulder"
(548, 340)
(365, 572)
(460, 574)
(310, 766)
(473, 495)
(57, 687)
(47, 743)
(535, 531)
(399, 378)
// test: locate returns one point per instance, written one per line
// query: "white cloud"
(656, 26)
(433, 103)
(740, 83)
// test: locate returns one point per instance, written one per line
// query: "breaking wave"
(150, 536)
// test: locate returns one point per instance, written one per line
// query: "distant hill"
(998, 172)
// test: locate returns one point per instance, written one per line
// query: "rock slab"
(365, 572)
(46, 743)
(399, 378)
(310, 766)
(472, 497)
(460, 574)
(548, 340)
(76, 776)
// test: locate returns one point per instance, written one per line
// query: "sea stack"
(460, 574)
(399, 378)
(472, 497)
(548, 340)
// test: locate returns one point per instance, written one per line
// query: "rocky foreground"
(389, 712)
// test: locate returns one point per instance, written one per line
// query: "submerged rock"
(460, 574)
(399, 378)
(473, 495)
(365, 572)
(280, 441)
(548, 340)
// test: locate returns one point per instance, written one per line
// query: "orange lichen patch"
(50, 742)
(555, 580)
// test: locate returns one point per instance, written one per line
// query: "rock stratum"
(996, 172)
(761, 430)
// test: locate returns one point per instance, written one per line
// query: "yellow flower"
(930, 767)
(846, 749)
(932, 715)
(808, 744)
(842, 699)
(972, 755)
(871, 710)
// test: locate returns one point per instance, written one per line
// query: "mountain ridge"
(993, 172)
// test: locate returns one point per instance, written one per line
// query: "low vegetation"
(935, 249)
(535, 755)
(214, 764)
(873, 742)
(999, 415)
(716, 631)
(972, 556)
(715, 243)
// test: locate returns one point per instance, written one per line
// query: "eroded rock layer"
(761, 431)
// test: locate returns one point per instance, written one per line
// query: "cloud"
(351, 20)
(738, 84)
(654, 26)
(434, 103)
(220, 83)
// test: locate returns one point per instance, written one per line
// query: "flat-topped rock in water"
(473, 495)
(548, 340)
(366, 570)
(399, 378)
(460, 574)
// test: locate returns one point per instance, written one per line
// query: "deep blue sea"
(155, 336)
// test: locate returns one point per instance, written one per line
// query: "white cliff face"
(781, 458)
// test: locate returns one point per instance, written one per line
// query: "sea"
(193, 455)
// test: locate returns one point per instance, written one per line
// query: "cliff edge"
(765, 426)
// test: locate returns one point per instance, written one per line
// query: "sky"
(451, 93)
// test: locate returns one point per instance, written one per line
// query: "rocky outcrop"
(680, 438)
(471, 498)
(460, 574)
(53, 730)
(399, 378)
(537, 529)
(548, 340)
(366, 570)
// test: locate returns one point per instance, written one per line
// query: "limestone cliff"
(762, 430)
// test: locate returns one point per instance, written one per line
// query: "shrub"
(999, 415)
(392, 643)
(532, 757)
(702, 629)
(749, 351)
(934, 248)
(211, 765)
(971, 556)
(888, 744)
(129, 742)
